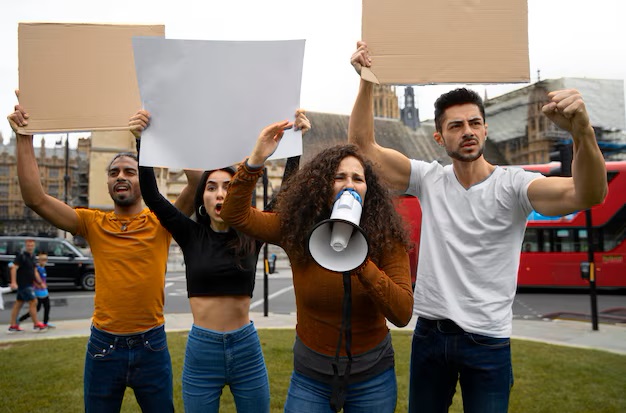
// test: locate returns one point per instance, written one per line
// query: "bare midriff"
(220, 313)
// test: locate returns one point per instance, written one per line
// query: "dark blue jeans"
(442, 354)
(141, 362)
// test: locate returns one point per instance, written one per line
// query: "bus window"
(582, 243)
(531, 241)
(546, 240)
(564, 241)
(615, 230)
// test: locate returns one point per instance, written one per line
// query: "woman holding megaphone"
(343, 355)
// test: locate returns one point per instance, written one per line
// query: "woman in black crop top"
(223, 346)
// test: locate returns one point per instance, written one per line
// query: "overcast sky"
(573, 38)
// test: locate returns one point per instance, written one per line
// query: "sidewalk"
(610, 338)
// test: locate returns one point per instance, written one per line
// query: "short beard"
(124, 202)
(466, 158)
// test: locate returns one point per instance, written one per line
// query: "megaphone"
(339, 244)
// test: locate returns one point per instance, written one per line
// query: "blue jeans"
(214, 359)
(376, 395)
(442, 354)
(141, 362)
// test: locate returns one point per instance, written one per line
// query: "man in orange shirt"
(128, 345)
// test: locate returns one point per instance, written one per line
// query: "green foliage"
(46, 376)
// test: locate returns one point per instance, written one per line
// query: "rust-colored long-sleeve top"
(377, 293)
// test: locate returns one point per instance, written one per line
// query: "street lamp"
(66, 176)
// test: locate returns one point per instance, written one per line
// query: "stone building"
(409, 115)
(525, 136)
(64, 174)
(386, 102)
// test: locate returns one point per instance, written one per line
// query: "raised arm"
(184, 202)
(236, 210)
(588, 184)
(173, 220)
(389, 163)
(49, 208)
(293, 163)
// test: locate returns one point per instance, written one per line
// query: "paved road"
(71, 304)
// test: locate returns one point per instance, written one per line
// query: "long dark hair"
(242, 244)
(306, 199)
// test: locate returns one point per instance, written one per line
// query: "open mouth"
(218, 208)
(121, 188)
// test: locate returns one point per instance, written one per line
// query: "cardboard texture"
(446, 41)
(79, 77)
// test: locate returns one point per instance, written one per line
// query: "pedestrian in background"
(23, 276)
(41, 291)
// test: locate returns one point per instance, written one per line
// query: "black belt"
(444, 326)
(130, 341)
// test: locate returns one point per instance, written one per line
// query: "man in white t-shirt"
(473, 220)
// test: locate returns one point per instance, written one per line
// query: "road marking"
(271, 296)
(56, 296)
(178, 293)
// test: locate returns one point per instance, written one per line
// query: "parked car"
(66, 263)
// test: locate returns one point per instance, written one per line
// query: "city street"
(69, 303)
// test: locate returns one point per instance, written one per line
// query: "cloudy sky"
(575, 38)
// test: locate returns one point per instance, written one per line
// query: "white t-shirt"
(470, 245)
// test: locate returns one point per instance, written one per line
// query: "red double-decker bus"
(554, 247)
(409, 208)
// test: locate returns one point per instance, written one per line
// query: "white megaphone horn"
(339, 244)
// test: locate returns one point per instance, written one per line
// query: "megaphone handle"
(339, 386)
(347, 314)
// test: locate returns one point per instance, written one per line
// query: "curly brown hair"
(306, 199)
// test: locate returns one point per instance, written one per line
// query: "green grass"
(46, 376)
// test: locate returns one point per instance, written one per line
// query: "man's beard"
(124, 201)
(466, 158)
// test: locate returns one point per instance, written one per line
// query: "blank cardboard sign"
(79, 77)
(446, 41)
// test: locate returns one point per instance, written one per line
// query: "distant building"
(55, 169)
(525, 136)
(331, 129)
(409, 113)
(385, 102)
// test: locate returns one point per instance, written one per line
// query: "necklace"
(126, 223)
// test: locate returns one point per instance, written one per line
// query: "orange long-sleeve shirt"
(377, 293)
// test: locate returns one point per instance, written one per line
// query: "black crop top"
(210, 265)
